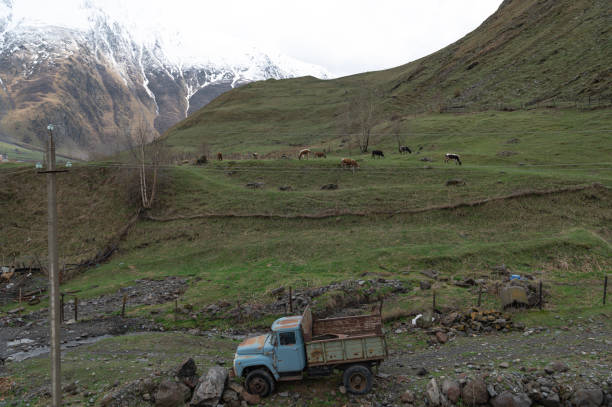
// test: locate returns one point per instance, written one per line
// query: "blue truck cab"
(281, 351)
(300, 344)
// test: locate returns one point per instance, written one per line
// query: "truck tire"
(260, 382)
(357, 379)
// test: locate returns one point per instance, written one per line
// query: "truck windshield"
(272, 338)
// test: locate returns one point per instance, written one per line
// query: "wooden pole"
(290, 300)
(20, 297)
(54, 320)
(434, 300)
(479, 295)
(605, 289)
(61, 307)
(541, 295)
(176, 304)
(76, 309)
(123, 306)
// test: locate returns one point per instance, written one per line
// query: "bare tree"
(360, 115)
(147, 152)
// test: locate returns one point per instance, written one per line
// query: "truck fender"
(256, 363)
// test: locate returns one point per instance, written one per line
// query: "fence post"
(76, 309)
(290, 300)
(605, 289)
(62, 307)
(434, 300)
(540, 295)
(479, 294)
(123, 306)
(20, 296)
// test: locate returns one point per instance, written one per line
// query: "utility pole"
(54, 300)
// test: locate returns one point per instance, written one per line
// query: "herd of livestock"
(351, 163)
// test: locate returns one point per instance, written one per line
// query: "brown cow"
(320, 154)
(304, 152)
(349, 163)
(219, 157)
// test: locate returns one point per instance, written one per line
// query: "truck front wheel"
(260, 382)
(357, 379)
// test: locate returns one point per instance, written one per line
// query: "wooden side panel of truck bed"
(345, 350)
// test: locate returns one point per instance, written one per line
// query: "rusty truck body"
(299, 345)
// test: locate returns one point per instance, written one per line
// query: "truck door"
(289, 353)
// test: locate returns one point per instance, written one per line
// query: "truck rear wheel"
(260, 382)
(357, 379)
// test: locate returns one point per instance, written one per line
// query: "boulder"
(587, 398)
(556, 367)
(551, 400)
(171, 394)
(452, 390)
(187, 369)
(508, 399)
(475, 392)
(210, 388)
(441, 337)
(425, 285)
(432, 391)
(407, 397)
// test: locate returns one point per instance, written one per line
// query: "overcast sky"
(343, 36)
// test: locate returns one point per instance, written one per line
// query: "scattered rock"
(588, 398)
(187, 369)
(475, 392)
(433, 274)
(342, 390)
(455, 182)
(171, 394)
(556, 367)
(432, 391)
(407, 397)
(255, 185)
(452, 390)
(504, 365)
(421, 371)
(210, 388)
(508, 399)
(441, 337)
(425, 285)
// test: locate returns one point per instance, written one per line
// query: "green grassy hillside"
(528, 54)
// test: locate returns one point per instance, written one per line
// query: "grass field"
(393, 217)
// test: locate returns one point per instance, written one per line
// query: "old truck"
(300, 345)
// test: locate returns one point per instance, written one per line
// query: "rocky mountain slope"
(100, 82)
(528, 54)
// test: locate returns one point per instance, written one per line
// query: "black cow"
(405, 149)
(377, 153)
(450, 156)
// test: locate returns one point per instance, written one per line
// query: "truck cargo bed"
(343, 340)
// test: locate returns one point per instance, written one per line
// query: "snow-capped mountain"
(99, 78)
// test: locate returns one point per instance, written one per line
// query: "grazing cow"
(255, 156)
(451, 156)
(304, 152)
(219, 157)
(349, 163)
(377, 153)
(320, 154)
(405, 149)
